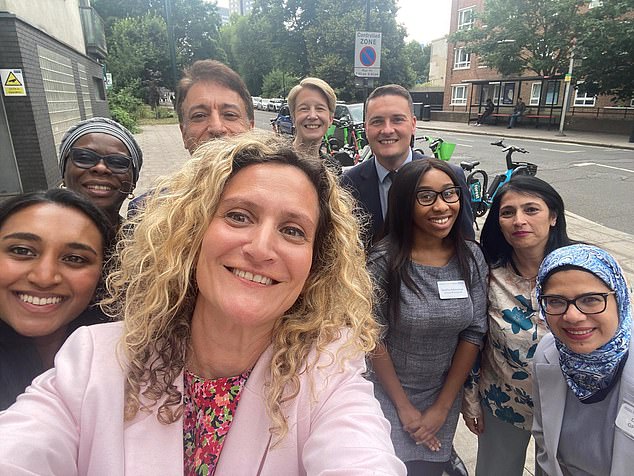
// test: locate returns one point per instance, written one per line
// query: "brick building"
(469, 83)
(52, 54)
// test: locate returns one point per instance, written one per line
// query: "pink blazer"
(70, 422)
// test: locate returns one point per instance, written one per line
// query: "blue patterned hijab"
(587, 374)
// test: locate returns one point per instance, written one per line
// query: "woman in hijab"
(584, 382)
(101, 160)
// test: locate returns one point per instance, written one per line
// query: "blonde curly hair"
(153, 286)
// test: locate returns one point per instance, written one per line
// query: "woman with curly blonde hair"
(246, 320)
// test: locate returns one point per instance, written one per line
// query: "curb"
(561, 139)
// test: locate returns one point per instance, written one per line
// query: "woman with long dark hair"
(51, 254)
(526, 221)
(431, 284)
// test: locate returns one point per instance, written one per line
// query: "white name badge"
(625, 419)
(452, 289)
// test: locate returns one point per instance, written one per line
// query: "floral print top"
(504, 380)
(209, 406)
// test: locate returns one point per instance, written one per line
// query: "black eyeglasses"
(428, 197)
(589, 303)
(87, 159)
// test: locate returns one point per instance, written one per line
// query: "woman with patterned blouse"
(526, 221)
(246, 318)
(432, 284)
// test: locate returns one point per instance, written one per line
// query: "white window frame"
(536, 93)
(461, 59)
(455, 100)
(468, 23)
(583, 100)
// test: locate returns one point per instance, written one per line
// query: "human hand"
(432, 419)
(475, 424)
(410, 418)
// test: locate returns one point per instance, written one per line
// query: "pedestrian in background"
(518, 112)
(489, 107)
(431, 287)
(526, 221)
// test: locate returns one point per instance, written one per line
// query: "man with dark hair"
(390, 126)
(212, 101)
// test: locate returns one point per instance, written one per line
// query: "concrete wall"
(438, 62)
(57, 18)
(28, 116)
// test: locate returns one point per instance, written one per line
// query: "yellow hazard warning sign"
(12, 82)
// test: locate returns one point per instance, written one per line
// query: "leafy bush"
(125, 107)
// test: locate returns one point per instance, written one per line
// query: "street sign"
(367, 54)
(12, 82)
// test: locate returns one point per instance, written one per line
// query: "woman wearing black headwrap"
(101, 160)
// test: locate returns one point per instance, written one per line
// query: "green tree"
(278, 83)
(195, 23)
(605, 46)
(137, 51)
(515, 36)
(418, 56)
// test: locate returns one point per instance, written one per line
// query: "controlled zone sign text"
(367, 54)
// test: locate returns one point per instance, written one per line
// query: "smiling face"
(51, 259)
(389, 127)
(311, 116)
(211, 110)
(525, 221)
(106, 190)
(435, 221)
(579, 332)
(257, 251)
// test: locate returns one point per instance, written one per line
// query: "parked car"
(275, 104)
(257, 101)
(282, 123)
(264, 104)
(353, 112)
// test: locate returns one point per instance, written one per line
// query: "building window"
(100, 88)
(85, 91)
(536, 92)
(60, 92)
(461, 59)
(465, 18)
(552, 93)
(459, 95)
(632, 102)
(584, 99)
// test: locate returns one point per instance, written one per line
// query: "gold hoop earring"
(130, 196)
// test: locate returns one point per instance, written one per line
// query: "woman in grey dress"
(431, 287)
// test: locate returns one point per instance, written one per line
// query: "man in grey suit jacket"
(390, 125)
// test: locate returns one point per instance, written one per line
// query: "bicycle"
(442, 150)
(354, 148)
(481, 193)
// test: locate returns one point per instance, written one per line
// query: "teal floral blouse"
(504, 380)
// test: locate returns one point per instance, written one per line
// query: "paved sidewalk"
(164, 154)
(619, 141)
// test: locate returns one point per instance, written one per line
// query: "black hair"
(398, 231)
(496, 249)
(19, 359)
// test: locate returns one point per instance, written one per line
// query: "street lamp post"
(568, 81)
